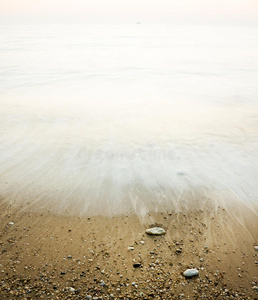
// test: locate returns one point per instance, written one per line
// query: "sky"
(130, 11)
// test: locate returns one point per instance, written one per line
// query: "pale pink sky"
(119, 11)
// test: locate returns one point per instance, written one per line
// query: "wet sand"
(49, 256)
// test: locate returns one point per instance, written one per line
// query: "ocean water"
(110, 119)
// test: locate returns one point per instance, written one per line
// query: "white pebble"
(191, 272)
(11, 223)
(256, 248)
(102, 283)
(156, 231)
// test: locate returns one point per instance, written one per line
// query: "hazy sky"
(130, 11)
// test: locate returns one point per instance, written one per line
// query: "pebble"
(136, 265)
(130, 248)
(256, 248)
(155, 231)
(11, 223)
(102, 283)
(191, 272)
(71, 289)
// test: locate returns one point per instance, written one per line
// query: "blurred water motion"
(113, 119)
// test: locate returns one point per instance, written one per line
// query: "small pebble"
(191, 272)
(155, 231)
(102, 283)
(136, 265)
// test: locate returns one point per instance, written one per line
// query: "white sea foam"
(104, 120)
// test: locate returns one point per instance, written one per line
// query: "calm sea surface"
(111, 119)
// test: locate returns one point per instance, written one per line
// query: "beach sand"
(48, 256)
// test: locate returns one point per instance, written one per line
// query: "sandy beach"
(118, 117)
(49, 256)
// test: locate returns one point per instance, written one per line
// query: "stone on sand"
(191, 272)
(155, 231)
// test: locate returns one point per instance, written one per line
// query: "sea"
(119, 119)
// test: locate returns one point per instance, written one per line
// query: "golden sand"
(48, 256)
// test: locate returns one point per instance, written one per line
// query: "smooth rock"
(136, 265)
(191, 272)
(256, 248)
(155, 231)
(130, 248)
(11, 223)
(102, 283)
(71, 289)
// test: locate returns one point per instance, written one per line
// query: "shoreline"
(67, 257)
